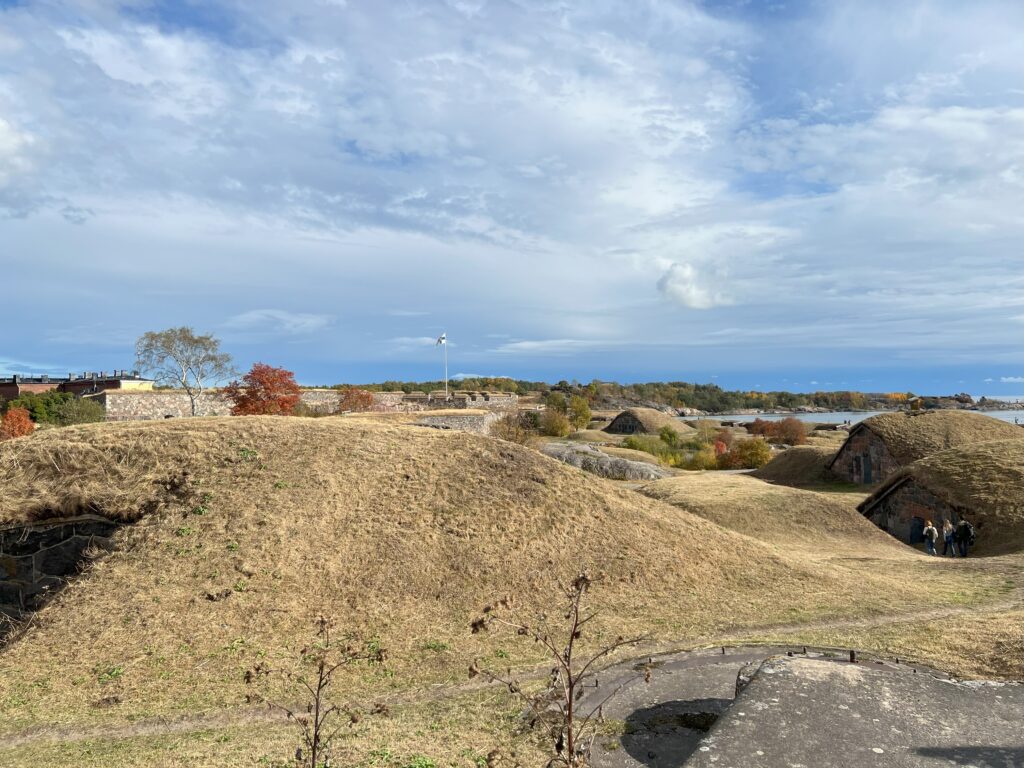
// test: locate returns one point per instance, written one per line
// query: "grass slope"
(798, 466)
(401, 534)
(827, 524)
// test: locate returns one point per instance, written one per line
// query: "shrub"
(264, 391)
(665, 453)
(746, 454)
(356, 400)
(77, 411)
(579, 412)
(555, 424)
(514, 428)
(669, 436)
(555, 401)
(41, 405)
(16, 423)
(791, 431)
(703, 458)
(725, 437)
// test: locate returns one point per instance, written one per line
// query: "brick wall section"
(896, 512)
(864, 449)
(35, 560)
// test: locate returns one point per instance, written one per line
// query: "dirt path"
(255, 714)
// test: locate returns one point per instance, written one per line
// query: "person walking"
(964, 536)
(948, 545)
(930, 537)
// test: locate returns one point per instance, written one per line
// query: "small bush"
(77, 411)
(514, 428)
(355, 400)
(665, 453)
(555, 424)
(669, 436)
(16, 423)
(747, 454)
(579, 412)
(703, 458)
(789, 430)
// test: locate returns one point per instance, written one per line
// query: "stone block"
(28, 540)
(17, 568)
(62, 559)
(104, 528)
(12, 596)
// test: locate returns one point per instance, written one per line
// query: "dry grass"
(596, 436)
(400, 534)
(974, 645)
(910, 436)
(826, 525)
(986, 481)
(801, 465)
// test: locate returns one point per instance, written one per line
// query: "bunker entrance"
(38, 559)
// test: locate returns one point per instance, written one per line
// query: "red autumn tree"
(264, 391)
(355, 400)
(16, 423)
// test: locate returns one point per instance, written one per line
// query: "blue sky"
(796, 194)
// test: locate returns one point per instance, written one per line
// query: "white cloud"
(682, 283)
(279, 321)
(1012, 379)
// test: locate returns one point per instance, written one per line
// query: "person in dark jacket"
(964, 536)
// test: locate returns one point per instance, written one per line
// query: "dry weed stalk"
(557, 704)
(319, 719)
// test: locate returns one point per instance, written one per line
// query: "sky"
(797, 195)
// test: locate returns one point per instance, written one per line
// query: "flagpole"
(445, 345)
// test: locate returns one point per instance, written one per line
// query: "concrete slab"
(820, 713)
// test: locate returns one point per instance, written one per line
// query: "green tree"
(182, 358)
(579, 412)
(555, 424)
(555, 401)
(77, 410)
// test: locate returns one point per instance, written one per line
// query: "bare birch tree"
(182, 358)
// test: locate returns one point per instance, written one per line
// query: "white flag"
(442, 339)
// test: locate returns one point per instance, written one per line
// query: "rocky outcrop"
(590, 459)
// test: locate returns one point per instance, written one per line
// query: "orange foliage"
(16, 423)
(264, 391)
(356, 400)
(790, 430)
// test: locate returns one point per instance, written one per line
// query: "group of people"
(956, 540)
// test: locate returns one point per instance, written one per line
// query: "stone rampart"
(123, 405)
(477, 423)
(36, 559)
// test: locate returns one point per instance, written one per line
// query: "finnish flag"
(442, 339)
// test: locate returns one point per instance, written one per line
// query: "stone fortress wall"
(123, 405)
(36, 558)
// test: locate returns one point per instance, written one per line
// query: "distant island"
(687, 398)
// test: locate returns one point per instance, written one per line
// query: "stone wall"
(903, 512)
(166, 404)
(864, 459)
(146, 406)
(477, 423)
(36, 559)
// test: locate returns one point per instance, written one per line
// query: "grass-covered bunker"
(880, 446)
(983, 482)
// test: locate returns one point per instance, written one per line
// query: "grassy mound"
(798, 466)
(245, 529)
(827, 524)
(647, 421)
(910, 436)
(985, 482)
